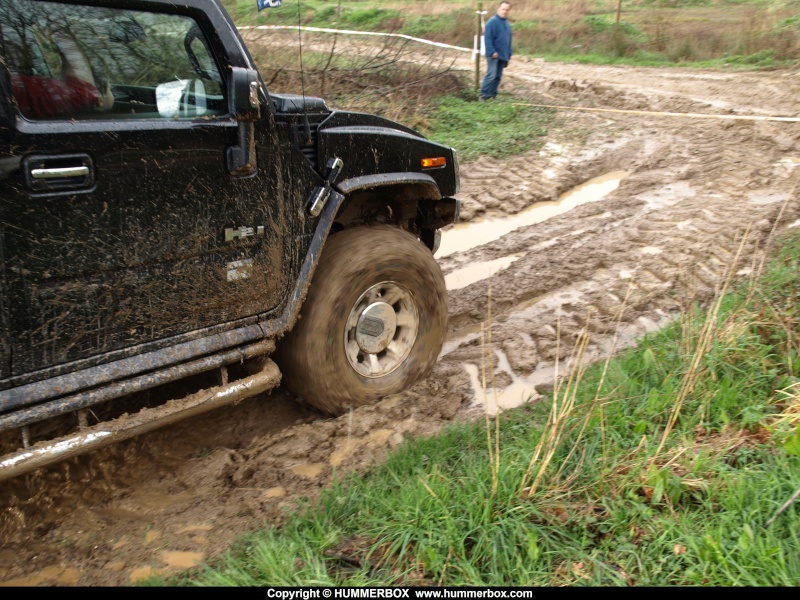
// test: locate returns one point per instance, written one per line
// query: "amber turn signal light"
(429, 163)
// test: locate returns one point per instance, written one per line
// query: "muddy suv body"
(166, 222)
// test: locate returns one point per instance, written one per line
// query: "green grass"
(764, 59)
(498, 128)
(670, 464)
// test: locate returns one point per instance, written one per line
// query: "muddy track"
(695, 197)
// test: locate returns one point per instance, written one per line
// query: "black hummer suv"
(164, 219)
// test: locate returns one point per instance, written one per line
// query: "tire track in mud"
(493, 186)
(629, 275)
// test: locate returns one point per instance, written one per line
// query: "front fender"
(427, 186)
(390, 153)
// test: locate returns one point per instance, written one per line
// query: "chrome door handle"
(60, 172)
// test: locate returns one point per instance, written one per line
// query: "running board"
(128, 426)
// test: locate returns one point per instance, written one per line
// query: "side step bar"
(128, 426)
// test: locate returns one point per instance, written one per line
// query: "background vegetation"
(733, 32)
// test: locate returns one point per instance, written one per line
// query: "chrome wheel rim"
(381, 330)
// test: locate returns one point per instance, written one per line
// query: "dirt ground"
(685, 191)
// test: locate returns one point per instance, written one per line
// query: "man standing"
(497, 41)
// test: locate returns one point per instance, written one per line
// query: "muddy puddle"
(492, 397)
(465, 236)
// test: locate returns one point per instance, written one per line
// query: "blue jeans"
(494, 72)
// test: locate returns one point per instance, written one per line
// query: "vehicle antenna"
(307, 126)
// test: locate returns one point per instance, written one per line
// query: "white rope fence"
(353, 32)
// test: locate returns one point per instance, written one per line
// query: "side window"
(87, 62)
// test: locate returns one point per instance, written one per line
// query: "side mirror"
(181, 98)
(246, 107)
(168, 97)
(243, 89)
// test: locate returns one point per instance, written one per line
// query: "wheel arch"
(410, 201)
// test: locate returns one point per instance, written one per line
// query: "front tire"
(373, 322)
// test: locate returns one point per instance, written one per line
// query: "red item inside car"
(48, 97)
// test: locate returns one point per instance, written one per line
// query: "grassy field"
(675, 463)
(655, 32)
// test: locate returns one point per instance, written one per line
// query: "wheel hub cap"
(376, 327)
(381, 330)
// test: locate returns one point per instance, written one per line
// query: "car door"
(123, 222)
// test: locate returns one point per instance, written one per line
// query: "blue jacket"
(497, 38)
